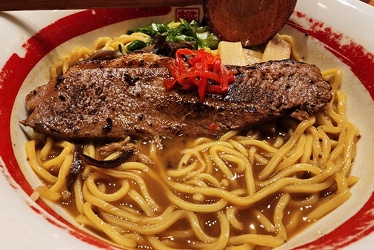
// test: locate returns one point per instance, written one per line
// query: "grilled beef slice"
(111, 99)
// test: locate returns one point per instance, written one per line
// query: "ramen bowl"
(33, 40)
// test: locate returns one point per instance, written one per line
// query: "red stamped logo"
(187, 14)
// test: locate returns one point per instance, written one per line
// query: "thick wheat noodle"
(273, 163)
(265, 221)
(34, 163)
(108, 229)
(92, 187)
(279, 214)
(231, 216)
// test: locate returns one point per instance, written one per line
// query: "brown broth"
(171, 155)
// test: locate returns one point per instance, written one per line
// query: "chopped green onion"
(186, 31)
(135, 45)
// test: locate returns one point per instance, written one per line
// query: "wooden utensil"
(252, 22)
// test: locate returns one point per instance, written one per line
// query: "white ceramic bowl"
(329, 34)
